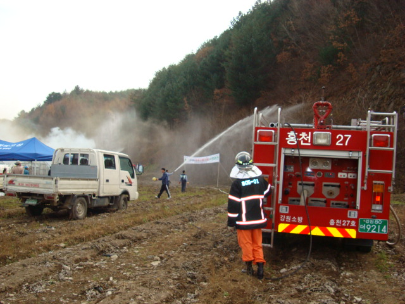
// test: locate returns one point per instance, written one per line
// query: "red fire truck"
(329, 180)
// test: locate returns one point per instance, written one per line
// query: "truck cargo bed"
(39, 184)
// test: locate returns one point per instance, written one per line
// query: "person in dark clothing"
(168, 177)
(245, 211)
(183, 181)
(165, 184)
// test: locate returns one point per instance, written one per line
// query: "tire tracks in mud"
(149, 256)
(192, 258)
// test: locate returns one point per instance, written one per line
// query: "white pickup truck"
(78, 179)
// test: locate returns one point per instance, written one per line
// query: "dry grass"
(22, 236)
(9, 207)
(398, 199)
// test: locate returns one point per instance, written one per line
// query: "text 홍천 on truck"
(79, 179)
(329, 180)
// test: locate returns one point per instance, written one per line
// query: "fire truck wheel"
(360, 245)
(34, 210)
(122, 202)
(79, 209)
(364, 249)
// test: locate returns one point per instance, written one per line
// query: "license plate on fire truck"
(373, 226)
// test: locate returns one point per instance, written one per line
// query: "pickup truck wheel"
(34, 210)
(79, 209)
(122, 203)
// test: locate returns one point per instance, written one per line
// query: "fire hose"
(399, 228)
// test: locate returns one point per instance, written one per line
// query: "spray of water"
(240, 124)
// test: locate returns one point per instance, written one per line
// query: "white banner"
(202, 160)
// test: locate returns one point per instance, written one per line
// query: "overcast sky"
(52, 46)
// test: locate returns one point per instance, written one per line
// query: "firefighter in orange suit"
(245, 210)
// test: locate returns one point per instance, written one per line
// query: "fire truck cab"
(328, 180)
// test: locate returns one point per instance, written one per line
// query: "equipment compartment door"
(326, 182)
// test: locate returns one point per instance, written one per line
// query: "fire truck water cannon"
(320, 119)
(329, 180)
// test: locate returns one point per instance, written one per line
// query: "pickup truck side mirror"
(139, 169)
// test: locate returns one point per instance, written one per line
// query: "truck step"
(267, 230)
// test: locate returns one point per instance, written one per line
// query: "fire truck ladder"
(388, 124)
(274, 165)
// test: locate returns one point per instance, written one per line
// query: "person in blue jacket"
(26, 171)
(168, 178)
(183, 181)
(165, 184)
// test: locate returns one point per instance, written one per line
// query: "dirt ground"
(180, 251)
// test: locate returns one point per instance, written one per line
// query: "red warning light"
(382, 141)
(378, 197)
(265, 135)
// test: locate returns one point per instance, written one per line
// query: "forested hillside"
(80, 110)
(281, 53)
(284, 52)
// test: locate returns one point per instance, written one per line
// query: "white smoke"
(10, 131)
(67, 138)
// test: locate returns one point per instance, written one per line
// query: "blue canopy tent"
(3, 142)
(27, 150)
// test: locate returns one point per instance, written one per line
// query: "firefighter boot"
(249, 268)
(260, 271)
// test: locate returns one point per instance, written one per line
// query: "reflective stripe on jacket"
(245, 203)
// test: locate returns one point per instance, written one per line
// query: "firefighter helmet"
(243, 160)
